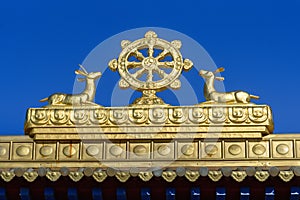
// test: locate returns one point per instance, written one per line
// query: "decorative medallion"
(215, 175)
(234, 149)
(192, 175)
(282, 149)
(122, 176)
(7, 175)
(164, 150)
(187, 149)
(140, 150)
(46, 150)
(53, 176)
(76, 176)
(23, 151)
(259, 149)
(211, 149)
(30, 176)
(116, 150)
(99, 176)
(145, 176)
(239, 176)
(69, 151)
(2, 150)
(169, 176)
(262, 175)
(286, 176)
(93, 150)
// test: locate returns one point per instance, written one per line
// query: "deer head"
(211, 75)
(83, 72)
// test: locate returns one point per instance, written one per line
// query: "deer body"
(86, 97)
(211, 94)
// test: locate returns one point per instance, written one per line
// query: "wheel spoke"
(150, 51)
(150, 76)
(162, 54)
(138, 54)
(166, 64)
(134, 64)
(138, 73)
(160, 72)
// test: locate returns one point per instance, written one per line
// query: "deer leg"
(208, 102)
(90, 103)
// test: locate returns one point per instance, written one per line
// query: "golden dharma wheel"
(141, 68)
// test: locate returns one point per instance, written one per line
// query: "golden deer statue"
(85, 97)
(212, 95)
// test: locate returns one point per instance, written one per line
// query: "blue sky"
(41, 43)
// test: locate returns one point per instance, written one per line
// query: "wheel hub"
(149, 63)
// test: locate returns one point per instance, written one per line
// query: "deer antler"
(83, 68)
(221, 69)
(79, 72)
(219, 78)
